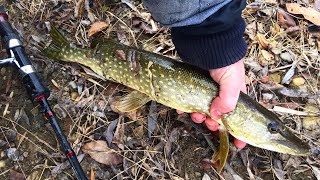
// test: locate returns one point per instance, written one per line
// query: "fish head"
(283, 140)
(254, 124)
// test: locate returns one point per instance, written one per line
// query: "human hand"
(231, 80)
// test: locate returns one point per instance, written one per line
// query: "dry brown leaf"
(122, 37)
(16, 175)
(310, 14)
(266, 59)
(34, 175)
(268, 56)
(172, 138)
(99, 151)
(97, 27)
(280, 174)
(285, 20)
(263, 42)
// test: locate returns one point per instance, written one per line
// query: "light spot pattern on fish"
(180, 86)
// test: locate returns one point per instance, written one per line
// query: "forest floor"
(154, 142)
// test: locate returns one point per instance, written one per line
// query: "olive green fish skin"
(184, 87)
(254, 118)
(168, 82)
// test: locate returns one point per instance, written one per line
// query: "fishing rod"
(35, 89)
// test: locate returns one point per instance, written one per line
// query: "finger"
(243, 88)
(212, 124)
(239, 144)
(231, 82)
(227, 99)
(179, 112)
(198, 117)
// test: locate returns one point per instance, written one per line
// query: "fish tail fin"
(54, 49)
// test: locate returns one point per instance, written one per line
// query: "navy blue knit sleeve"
(216, 42)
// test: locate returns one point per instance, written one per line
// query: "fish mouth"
(289, 144)
(298, 148)
(294, 145)
(281, 144)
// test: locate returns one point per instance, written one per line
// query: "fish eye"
(273, 127)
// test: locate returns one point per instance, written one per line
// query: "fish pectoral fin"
(131, 101)
(223, 151)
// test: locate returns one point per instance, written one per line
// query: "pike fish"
(180, 86)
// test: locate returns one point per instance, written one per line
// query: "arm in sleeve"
(214, 42)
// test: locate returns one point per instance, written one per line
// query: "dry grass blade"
(291, 111)
(7, 105)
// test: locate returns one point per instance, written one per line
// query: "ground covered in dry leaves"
(153, 142)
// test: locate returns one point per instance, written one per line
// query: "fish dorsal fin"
(53, 50)
(131, 101)
(57, 37)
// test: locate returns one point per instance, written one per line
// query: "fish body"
(180, 86)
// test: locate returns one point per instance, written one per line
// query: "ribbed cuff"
(214, 50)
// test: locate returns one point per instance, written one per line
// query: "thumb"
(231, 80)
(227, 99)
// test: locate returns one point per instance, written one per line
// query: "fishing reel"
(18, 59)
(36, 90)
